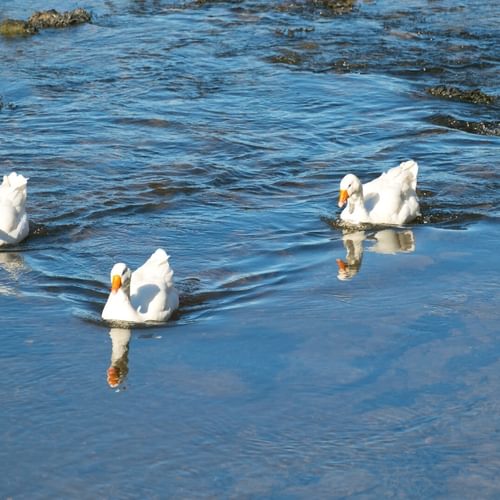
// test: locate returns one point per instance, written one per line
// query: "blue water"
(220, 131)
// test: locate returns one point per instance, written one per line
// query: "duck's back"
(14, 225)
(391, 198)
(152, 290)
(403, 177)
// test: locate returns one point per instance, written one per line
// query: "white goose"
(147, 294)
(391, 198)
(14, 226)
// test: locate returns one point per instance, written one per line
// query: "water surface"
(220, 131)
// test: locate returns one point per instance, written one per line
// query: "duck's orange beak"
(343, 197)
(113, 377)
(342, 265)
(116, 283)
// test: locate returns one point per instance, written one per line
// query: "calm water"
(220, 131)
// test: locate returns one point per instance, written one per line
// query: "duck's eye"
(124, 272)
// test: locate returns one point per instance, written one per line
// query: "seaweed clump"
(15, 27)
(289, 57)
(203, 2)
(43, 19)
(53, 19)
(469, 126)
(320, 7)
(474, 96)
(6, 105)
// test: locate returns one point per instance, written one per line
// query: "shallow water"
(220, 131)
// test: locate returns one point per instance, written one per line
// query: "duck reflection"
(13, 264)
(353, 243)
(386, 241)
(118, 369)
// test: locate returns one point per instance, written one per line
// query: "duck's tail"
(14, 189)
(405, 174)
(159, 260)
(410, 169)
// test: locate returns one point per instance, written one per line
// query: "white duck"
(14, 226)
(391, 198)
(147, 294)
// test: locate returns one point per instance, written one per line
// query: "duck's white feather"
(147, 294)
(14, 226)
(391, 198)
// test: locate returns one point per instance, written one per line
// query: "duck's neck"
(353, 243)
(119, 307)
(128, 310)
(356, 205)
(120, 338)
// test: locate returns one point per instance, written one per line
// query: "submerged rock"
(16, 27)
(53, 19)
(475, 96)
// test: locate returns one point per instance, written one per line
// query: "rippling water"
(220, 131)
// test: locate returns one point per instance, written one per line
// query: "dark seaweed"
(469, 126)
(474, 96)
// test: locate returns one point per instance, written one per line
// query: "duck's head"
(349, 185)
(120, 276)
(346, 272)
